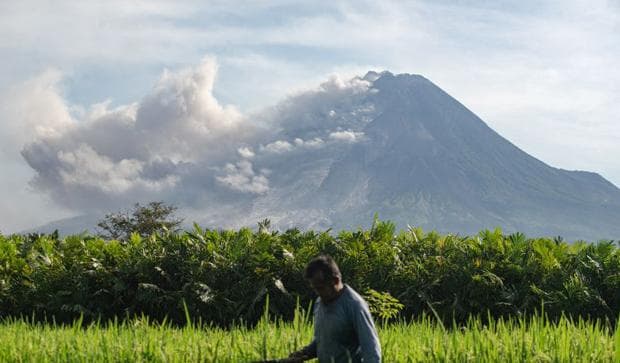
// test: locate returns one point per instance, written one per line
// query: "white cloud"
(178, 142)
(346, 136)
(83, 167)
(31, 111)
(308, 114)
(144, 146)
(246, 152)
(241, 177)
(278, 147)
(181, 114)
(336, 84)
(314, 143)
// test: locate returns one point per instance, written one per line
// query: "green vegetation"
(225, 276)
(521, 340)
(155, 217)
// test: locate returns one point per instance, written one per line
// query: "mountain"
(430, 161)
(66, 226)
(405, 149)
(426, 160)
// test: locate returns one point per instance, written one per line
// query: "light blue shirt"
(344, 331)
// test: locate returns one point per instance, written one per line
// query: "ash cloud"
(179, 144)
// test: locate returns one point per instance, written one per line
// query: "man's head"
(324, 277)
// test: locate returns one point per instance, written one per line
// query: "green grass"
(138, 340)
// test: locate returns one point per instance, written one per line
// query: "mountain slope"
(429, 161)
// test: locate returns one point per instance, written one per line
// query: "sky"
(78, 79)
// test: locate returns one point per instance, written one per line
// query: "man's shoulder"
(354, 298)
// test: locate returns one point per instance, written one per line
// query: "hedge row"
(225, 276)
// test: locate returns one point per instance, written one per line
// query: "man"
(343, 328)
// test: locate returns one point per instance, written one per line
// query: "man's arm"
(306, 353)
(367, 335)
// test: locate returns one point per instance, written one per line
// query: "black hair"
(324, 264)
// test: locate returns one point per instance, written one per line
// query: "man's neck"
(339, 290)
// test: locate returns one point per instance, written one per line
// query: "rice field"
(138, 340)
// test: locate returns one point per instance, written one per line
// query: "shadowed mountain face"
(429, 161)
(406, 150)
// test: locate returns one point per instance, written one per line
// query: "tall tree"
(142, 219)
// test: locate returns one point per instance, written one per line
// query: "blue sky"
(545, 75)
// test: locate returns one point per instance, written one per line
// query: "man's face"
(327, 290)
